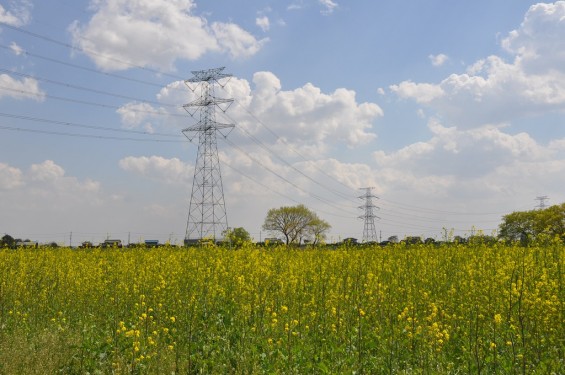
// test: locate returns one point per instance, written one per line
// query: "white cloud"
(236, 41)
(494, 91)
(134, 114)
(158, 168)
(468, 154)
(18, 15)
(16, 49)
(421, 92)
(27, 88)
(539, 42)
(263, 22)
(329, 6)
(44, 187)
(10, 177)
(156, 33)
(297, 5)
(305, 117)
(46, 171)
(438, 60)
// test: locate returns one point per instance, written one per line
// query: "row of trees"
(298, 225)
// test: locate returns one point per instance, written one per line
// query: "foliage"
(527, 226)
(237, 237)
(7, 241)
(296, 223)
(399, 309)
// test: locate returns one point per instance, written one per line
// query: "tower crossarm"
(208, 75)
(203, 126)
(206, 101)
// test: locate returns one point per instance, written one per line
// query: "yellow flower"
(497, 318)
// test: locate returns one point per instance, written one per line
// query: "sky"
(452, 111)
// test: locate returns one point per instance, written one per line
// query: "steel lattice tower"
(369, 231)
(541, 200)
(207, 216)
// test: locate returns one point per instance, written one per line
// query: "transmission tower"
(541, 200)
(369, 231)
(207, 216)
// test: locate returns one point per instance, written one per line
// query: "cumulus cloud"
(236, 41)
(329, 6)
(45, 187)
(463, 155)
(10, 177)
(46, 171)
(307, 115)
(539, 42)
(27, 88)
(421, 92)
(156, 33)
(304, 117)
(172, 171)
(49, 178)
(494, 91)
(18, 15)
(438, 60)
(16, 48)
(263, 22)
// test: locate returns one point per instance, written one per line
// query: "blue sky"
(453, 111)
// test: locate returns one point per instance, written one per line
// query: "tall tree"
(237, 237)
(295, 223)
(7, 241)
(525, 226)
(318, 229)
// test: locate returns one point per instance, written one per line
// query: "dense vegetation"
(454, 308)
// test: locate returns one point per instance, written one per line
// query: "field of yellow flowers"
(399, 310)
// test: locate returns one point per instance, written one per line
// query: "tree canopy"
(7, 241)
(526, 226)
(237, 237)
(296, 224)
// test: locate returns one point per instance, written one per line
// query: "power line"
(71, 124)
(85, 102)
(92, 70)
(317, 197)
(83, 88)
(287, 144)
(12, 128)
(86, 51)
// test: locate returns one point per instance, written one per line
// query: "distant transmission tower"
(369, 231)
(207, 216)
(541, 200)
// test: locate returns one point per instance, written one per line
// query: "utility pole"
(207, 216)
(369, 231)
(541, 200)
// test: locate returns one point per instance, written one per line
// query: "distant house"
(27, 244)
(152, 243)
(86, 245)
(111, 243)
